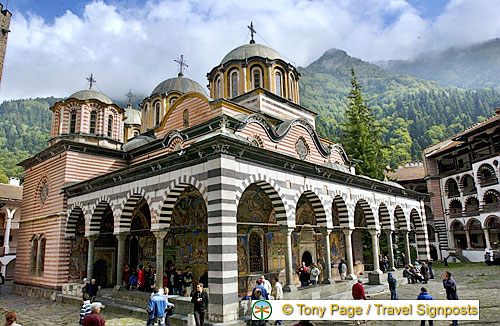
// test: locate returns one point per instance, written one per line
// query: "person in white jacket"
(266, 284)
(277, 293)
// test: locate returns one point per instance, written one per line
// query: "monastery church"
(232, 182)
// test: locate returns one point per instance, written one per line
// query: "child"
(132, 282)
(85, 307)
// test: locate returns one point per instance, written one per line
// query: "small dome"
(179, 84)
(252, 50)
(137, 141)
(132, 116)
(90, 94)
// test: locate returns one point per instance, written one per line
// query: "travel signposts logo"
(262, 310)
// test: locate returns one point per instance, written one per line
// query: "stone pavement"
(474, 280)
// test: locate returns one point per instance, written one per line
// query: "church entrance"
(101, 273)
(307, 258)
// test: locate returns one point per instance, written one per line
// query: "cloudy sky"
(132, 44)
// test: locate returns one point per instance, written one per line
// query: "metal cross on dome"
(91, 80)
(130, 96)
(182, 64)
(252, 31)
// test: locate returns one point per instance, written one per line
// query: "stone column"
(375, 275)
(90, 256)
(289, 286)
(487, 238)
(10, 216)
(327, 277)
(222, 238)
(467, 235)
(160, 235)
(348, 248)
(119, 260)
(391, 250)
(407, 247)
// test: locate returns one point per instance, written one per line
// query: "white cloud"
(135, 47)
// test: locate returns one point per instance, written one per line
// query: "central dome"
(179, 84)
(90, 94)
(252, 50)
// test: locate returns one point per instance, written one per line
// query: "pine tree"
(361, 135)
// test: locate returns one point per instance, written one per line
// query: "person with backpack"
(393, 285)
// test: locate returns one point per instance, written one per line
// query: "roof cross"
(252, 31)
(91, 80)
(130, 96)
(182, 64)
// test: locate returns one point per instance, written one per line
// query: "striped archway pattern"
(365, 207)
(128, 210)
(399, 216)
(342, 210)
(76, 212)
(169, 203)
(95, 222)
(421, 235)
(317, 207)
(271, 190)
(384, 217)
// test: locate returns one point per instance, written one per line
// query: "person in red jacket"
(358, 291)
(141, 281)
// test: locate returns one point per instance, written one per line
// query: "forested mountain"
(414, 113)
(473, 67)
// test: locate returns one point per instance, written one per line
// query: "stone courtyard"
(474, 281)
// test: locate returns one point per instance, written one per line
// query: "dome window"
(279, 83)
(257, 77)
(157, 113)
(218, 88)
(234, 84)
(72, 123)
(110, 125)
(93, 118)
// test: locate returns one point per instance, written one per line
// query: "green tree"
(361, 134)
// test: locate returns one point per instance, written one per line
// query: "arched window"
(157, 113)
(234, 84)
(136, 132)
(255, 252)
(33, 255)
(218, 88)
(172, 100)
(72, 122)
(41, 268)
(291, 94)
(93, 118)
(257, 77)
(185, 118)
(279, 83)
(110, 125)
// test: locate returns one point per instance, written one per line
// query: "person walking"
(157, 305)
(92, 289)
(170, 307)
(258, 296)
(126, 275)
(425, 296)
(446, 261)
(11, 319)
(303, 276)
(85, 287)
(94, 319)
(85, 309)
(358, 293)
(277, 293)
(451, 290)
(147, 279)
(178, 282)
(200, 302)
(403, 259)
(314, 274)
(393, 284)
